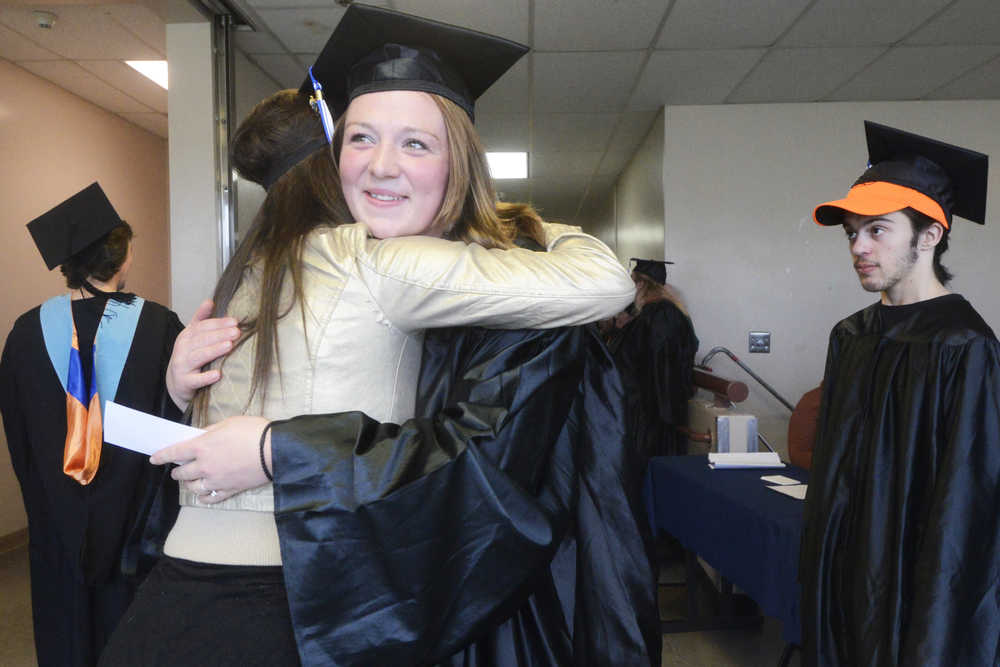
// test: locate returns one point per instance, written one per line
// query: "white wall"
(630, 218)
(740, 183)
(639, 220)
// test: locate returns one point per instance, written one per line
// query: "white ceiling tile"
(142, 22)
(513, 191)
(121, 76)
(566, 184)
(614, 161)
(584, 82)
(571, 131)
(153, 122)
(557, 207)
(509, 94)
(564, 163)
(692, 77)
(80, 32)
(559, 197)
(965, 22)
(302, 30)
(727, 24)
(982, 83)
(910, 72)
(504, 132)
(600, 188)
(15, 47)
(75, 79)
(301, 4)
(284, 69)
(252, 42)
(840, 23)
(633, 126)
(596, 25)
(505, 18)
(600, 185)
(802, 75)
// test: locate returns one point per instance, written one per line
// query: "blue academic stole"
(84, 405)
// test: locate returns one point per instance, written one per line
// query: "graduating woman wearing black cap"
(408, 544)
(900, 559)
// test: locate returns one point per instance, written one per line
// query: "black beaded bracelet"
(263, 438)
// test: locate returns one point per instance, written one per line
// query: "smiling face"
(394, 162)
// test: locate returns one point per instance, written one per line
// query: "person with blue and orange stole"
(62, 361)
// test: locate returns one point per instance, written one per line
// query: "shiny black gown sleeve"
(439, 540)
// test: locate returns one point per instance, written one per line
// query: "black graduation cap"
(374, 49)
(908, 170)
(655, 269)
(73, 225)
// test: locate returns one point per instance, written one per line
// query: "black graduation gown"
(900, 560)
(505, 530)
(655, 357)
(76, 533)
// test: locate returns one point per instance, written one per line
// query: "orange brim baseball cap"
(878, 198)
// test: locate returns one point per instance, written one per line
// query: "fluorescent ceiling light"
(508, 165)
(156, 70)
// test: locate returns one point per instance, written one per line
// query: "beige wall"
(639, 221)
(740, 183)
(53, 144)
(631, 219)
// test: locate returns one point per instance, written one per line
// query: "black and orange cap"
(910, 171)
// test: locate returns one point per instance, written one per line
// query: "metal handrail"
(759, 379)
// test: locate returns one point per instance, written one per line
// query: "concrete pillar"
(194, 226)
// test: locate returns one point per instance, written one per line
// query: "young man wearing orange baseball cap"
(900, 561)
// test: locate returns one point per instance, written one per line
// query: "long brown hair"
(305, 197)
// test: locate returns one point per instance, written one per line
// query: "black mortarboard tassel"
(374, 49)
(73, 225)
(655, 269)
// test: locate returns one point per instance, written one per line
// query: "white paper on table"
(142, 432)
(781, 480)
(744, 460)
(798, 491)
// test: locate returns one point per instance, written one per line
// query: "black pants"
(188, 613)
(72, 620)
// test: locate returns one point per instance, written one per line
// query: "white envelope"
(744, 460)
(141, 432)
(797, 491)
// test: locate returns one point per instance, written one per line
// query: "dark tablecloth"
(741, 528)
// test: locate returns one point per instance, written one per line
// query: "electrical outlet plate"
(760, 341)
